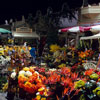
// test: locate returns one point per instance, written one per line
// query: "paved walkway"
(2, 96)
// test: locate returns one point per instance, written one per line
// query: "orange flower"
(65, 70)
(85, 54)
(65, 91)
(67, 82)
(22, 79)
(31, 70)
(88, 72)
(53, 79)
(83, 61)
(21, 85)
(31, 84)
(74, 76)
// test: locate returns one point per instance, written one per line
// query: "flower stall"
(62, 75)
(57, 84)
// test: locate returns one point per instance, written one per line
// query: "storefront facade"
(89, 15)
(23, 33)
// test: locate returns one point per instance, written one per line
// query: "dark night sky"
(17, 8)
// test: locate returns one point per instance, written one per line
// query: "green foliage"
(89, 92)
(2, 81)
(82, 97)
(49, 23)
(80, 45)
(30, 20)
(94, 76)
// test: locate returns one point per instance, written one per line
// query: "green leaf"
(91, 96)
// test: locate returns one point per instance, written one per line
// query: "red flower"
(41, 70)
(53, 79)
(65, 70)
(74, 76)
(88, 72)
(66, 91)
(98, 73)
(67, 82)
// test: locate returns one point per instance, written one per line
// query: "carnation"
(22, 72)
(13, 75)
(28, 73)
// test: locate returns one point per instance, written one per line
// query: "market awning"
(97, 36)
(2, 30)
(75, 29)
(25, 35)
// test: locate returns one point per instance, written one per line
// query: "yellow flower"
(38, 97)
(79, 84)
(1, 51)
(98, 93)
(28, 84)
(41, 89)
(29, 48)
(54, 48)
(45, 93)
(62, 65)
(94, 76)
(26, 69)
(5, 87)
(43, 98)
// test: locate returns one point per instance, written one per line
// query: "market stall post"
(77, 38)
(99, 43)
(91, 44)
(67, 38)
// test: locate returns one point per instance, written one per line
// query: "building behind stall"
(89, 15)
(23, 33)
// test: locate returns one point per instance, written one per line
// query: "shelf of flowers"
(33, 83)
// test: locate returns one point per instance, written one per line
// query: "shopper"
(33, 54)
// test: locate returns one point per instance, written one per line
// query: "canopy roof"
(97, 36)
(75, 29)
(80, 29)
(25, 35)
(2, 30)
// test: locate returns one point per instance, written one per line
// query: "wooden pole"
(77, 38)
(99, 43)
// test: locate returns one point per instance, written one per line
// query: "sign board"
(23, 30)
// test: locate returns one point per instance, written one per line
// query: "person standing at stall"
(33, 54)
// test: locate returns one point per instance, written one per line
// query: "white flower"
(22, 72)
(28, 73)
(98, 84)
(53, 69)
(13, 75)
(69, 53)
(43, 64)
(13, 70)
(8, 58)
(36, 72)
(37, 93)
